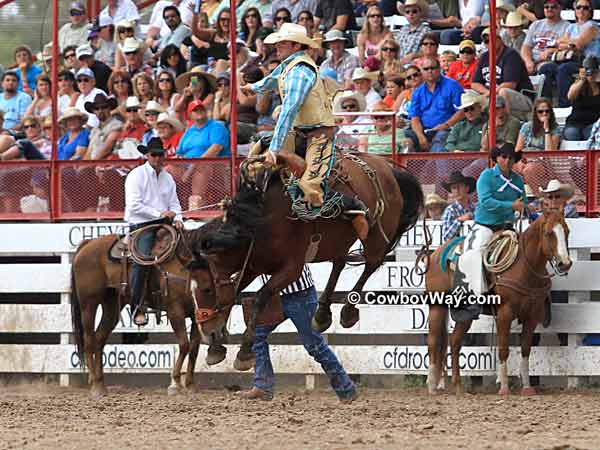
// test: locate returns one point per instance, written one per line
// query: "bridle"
(552, 260)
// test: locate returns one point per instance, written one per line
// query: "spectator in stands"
(511, 77)
(446, 59)
(170, 130)
(461, 209)
(178, 30)
(41, 106)
(134, 57)
(222, 104)
(143, 88)
(85, 56)
(307, 20)
(280, 16)
(335, 15)
(157, 24)
(134, 126)
(582, 37)
(542, 131)
(556, 196)
(463, 70)
(339, 59)
(104, 136)
(471, 12)
(434, 206)
(250, 23)
(432, 112)
(429, 49)
(172, 60)
(27, 148)
(394, 86)
(413, 79)
(70, 59)
(67, 95)
(374, 32)
(206, 138)
(363, 82)
(411, 34)
(45, 58)
(217, 38)
(465, 135)
(195, 85)
(76, 31)
(74, 143)
(541, 43)
(267, 102)
(120, 87)
(584, 95)
(350, 127)
(512, 30)
(377, 138)
(593, 143)
(125, 29)
(166, 93)
(389, 56)
(210, 7)
(294, 8)
(153, 110)
(25, 70)
(119, 10)
(264, 9)
(503, 8)
(507, 127)
(13, 103)
(106, 46)
(87, 86)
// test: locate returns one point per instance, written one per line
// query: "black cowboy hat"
(100, 100)
(457, 177)
(155, 145)
(507, 150)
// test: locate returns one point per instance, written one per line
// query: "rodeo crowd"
(120, 87)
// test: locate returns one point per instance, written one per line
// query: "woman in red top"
(463, 69)
(170, 130)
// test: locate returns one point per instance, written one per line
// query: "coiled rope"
(149, 260)
(501, 251)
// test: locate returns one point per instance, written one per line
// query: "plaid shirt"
(410, 38)
(344, 67)
(450, 223)
(593, 142)
(298, 83)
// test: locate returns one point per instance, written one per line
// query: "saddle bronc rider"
(150, 194)
(307, 110)
(501, 193)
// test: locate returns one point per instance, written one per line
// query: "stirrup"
(140, 310)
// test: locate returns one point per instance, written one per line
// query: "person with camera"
(584, 95)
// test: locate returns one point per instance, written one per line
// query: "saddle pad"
(449, 254)
(120, 246)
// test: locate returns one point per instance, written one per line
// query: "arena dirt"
(48, 417)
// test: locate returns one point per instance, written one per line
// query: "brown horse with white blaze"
(523, 289)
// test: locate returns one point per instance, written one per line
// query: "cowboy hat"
(363, 74)
(71, 112)
(291, 32)
(457, 177)
(84, 50)
(154, 106)
(155, 145)
(506, 6)
(349, 95)
(125, 24)
(566, 190)
(46, 53)
(170, 120)
(470, 98)
(183, 80)
(334, 35)
(421, 4)
(434, 200)
(506, 149)
(99, 100)
(132, 102)
(130, 45)
(514, 19)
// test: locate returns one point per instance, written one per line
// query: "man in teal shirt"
(501, 192)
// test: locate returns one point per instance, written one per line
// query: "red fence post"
(234, 96)
(54, 175)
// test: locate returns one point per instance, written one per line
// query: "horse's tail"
(413, 201)
(76, 321)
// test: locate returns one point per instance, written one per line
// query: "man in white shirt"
(86, 82)
(76, 31)
(150, 195)
(119, 10)
(157, 25)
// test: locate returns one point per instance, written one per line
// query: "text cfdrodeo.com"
(455, 298)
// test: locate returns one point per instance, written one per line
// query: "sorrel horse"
(95, 280)
(257, 236)
(523, 289)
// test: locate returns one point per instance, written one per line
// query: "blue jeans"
(574, 132)
(139, 273)
(300, 309)
(563, 73)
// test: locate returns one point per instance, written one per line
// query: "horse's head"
(555, 239)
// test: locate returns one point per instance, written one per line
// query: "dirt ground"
(49, 417)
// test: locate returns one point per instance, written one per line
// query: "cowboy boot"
(256, 394)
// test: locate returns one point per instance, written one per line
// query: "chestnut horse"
(258, 237)
(523, 289)
(95, 280)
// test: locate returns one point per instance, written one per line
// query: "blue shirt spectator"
(32, 74)
(435, 108)
(13, 103)
(67, 149)
(196, 141)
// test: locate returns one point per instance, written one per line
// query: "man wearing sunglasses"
(119, 10)
(150, 195)
(76, 31)
(411, 34)
(104, 136)
(541, 43)
(464, 68)
(86, 83)
(341, 60)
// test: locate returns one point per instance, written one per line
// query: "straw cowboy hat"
(71, 112)
(170, 120)
(514, 19)
(46, 53)
(433, 200)
(291, 32)
(130, 45)
(421, 4)
(565, 190)
(347, 95)
(154, 106)
(132, 102)
(183, 80)
(457, 177)
(363, 74)
(470, 98)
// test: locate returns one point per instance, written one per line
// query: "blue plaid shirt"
(450, 223)
(298, 83)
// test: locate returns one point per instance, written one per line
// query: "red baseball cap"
(195, 105)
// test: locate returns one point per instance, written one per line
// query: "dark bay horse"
(523, 289)
(95, 280)
(257, 236)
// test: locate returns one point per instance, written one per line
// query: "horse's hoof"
(244, 364)
(528, 391)
(349, 316)
(173, 390)
(215, 354)
(97, 392)
(191, 388)
(504, 391)
(319, 326)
